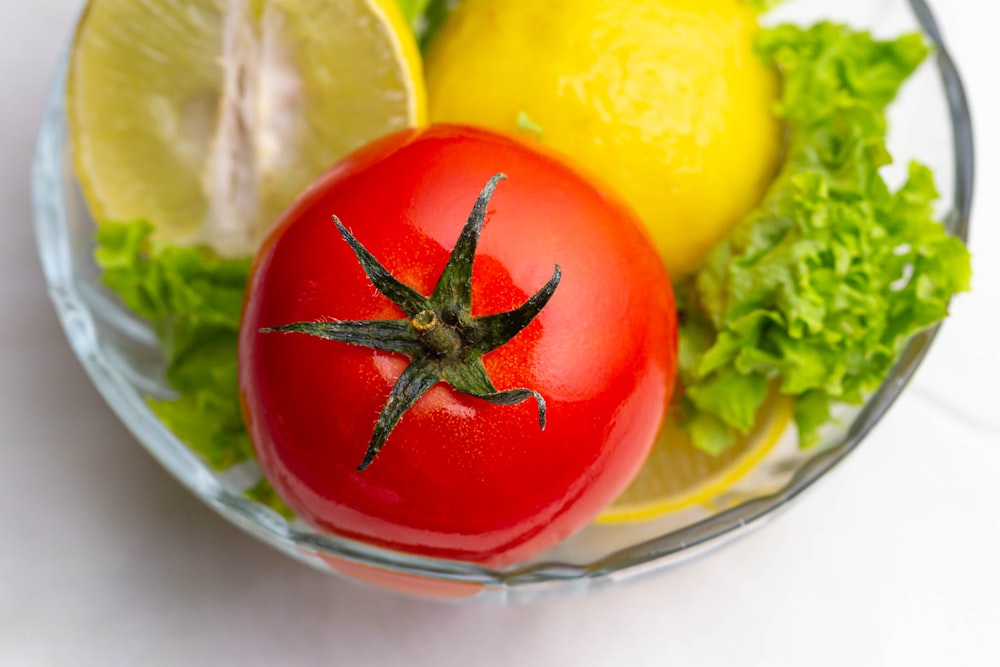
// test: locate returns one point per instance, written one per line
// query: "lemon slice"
(208, 117)
(678, 476)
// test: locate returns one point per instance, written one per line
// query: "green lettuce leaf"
(819, 289)
(193, 300)
(413, 10)
(763, 6)
(425, 17)
(263, 493)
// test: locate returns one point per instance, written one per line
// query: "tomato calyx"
(443, 340)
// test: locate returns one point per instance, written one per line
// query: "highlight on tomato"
(456, 345)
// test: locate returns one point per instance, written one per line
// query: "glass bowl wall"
(929, 122)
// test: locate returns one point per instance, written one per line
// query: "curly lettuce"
(193, 300)
(819, 289)
(425, 17)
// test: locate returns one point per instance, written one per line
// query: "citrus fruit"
(208, 117)
(677, 475)
(666, 101)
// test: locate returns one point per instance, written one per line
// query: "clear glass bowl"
(930, 122)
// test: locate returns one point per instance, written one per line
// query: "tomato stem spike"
(496, 330)
(413, 383)
(454, 287)
(408, 299)
(440, 335)
(471, 378)
(388, 335)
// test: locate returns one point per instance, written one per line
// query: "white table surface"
(105, 560)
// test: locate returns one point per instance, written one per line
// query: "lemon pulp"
(208, 117)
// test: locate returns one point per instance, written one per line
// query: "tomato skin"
(459, 477)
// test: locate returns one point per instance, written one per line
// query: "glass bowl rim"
(50, 218)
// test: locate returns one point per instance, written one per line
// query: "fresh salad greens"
(818, 290)
(426, 16)
(815, 293)
(414, 11)
(193, 300)
(763, 6)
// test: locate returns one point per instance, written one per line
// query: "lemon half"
(208, 117)
(677, 475)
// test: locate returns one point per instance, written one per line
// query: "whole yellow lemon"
(665, 100)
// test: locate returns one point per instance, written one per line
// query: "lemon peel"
(678, 476)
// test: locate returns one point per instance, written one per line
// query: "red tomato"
(458, 477)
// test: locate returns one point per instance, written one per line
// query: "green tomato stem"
(444, 342)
